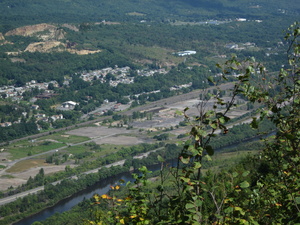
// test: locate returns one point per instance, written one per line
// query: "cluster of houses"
(44, 118)
(121, 75)
(178, 87)
(39, 117)
(15, 93)
(101, 74)
(6, 124)
(148, 73)
(237, 47)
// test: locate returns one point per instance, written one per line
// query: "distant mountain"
(23, 12)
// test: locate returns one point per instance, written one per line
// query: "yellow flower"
(105, 196)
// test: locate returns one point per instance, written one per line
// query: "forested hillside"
(17, 13)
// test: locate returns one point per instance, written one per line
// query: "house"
(40, 116)
(35, 107)
(6, 124)
(57, 117)
(69, 104)
(241, 19)
(231, 46)
(187, 52)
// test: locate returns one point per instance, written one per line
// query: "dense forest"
(75, 11)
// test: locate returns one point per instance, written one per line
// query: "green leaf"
(240, 210)
(254, 123)
(186, 109)
(197, 165)
(228, 210)
(198, 202)
(160, 159)
(193, 151)
(210, 151)
(244, 184)
(246, 173)
(185, 160)
(189, 206)
(235, 174)
(210, 79)
(185, 179)
(178, 112)
(207, 157)
(297, 199)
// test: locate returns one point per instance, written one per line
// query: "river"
(101, 187)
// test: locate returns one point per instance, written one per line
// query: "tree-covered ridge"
(16, 13)
(136, 46)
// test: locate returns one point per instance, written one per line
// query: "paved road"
(12, 198)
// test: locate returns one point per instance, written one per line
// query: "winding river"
(101, 187)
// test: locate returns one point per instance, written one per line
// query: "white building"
(187, 52)
(69, 104)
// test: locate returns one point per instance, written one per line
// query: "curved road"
(12, 198)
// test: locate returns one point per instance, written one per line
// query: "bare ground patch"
(96, 132)
(8, 182)
(120, 140)
(22, 177)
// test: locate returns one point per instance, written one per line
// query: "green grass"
(7, 176)
(26, 164)
(65, 138)
(158, 53)
(2, 167)
(77, 149)
(25, 148)
(104, 150)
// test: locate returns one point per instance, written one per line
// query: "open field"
(26, 165)
(64, 138)
(21, 171)
(95, 132)
(21, 150)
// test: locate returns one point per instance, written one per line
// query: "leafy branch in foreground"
(267, 193)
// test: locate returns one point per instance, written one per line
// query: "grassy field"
(7, 176)
(65, 138)
(26, 164)
(160, 54)
(105, 149)
(22, 149)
